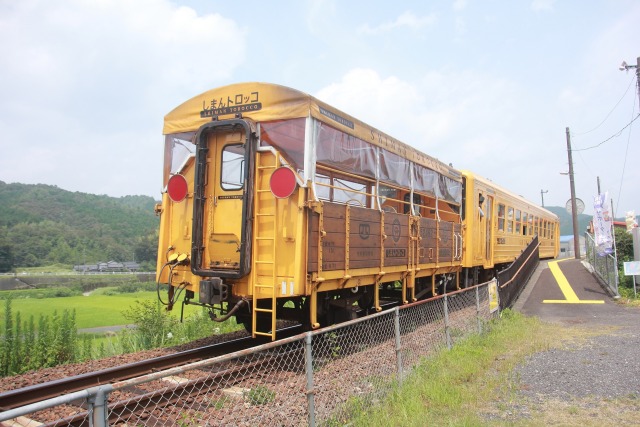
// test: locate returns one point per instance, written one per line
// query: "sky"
(489, 86)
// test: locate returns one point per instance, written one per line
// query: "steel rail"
(38, 392)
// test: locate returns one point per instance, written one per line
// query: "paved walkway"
(566, 291)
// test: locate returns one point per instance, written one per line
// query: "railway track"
(36, 393)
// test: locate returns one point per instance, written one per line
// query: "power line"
(610, 112)
(617, 134)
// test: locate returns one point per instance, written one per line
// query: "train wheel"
(263, 323)
(365, 302)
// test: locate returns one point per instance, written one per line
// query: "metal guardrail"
(316, 378)
(605, 267)
(78, 273)
(513, 279)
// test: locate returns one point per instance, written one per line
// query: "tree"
(624, 246)
(624, 252)
(146, 248)
(6, 253)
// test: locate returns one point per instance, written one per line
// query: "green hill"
(43, 224)
(566, 222)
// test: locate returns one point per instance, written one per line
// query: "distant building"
(567, 248)
(107, 267)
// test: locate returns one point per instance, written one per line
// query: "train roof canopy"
(263, 102)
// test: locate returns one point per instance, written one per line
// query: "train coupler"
(213, 291)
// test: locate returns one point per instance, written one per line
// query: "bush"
(152, 325)
(23, 347)
(133, 287)
(624, 253)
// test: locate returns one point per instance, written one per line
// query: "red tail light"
(283, 182)
(177, 188)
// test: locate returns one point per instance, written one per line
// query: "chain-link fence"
(605, 267)
(316, 378)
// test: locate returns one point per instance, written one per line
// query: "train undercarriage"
(334, 306)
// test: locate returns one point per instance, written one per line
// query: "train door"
(221, 234)
(488, 226)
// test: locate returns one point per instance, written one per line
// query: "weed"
(260, 395)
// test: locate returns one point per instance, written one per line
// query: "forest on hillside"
(43, 225)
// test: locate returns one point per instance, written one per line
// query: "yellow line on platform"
(565, 287)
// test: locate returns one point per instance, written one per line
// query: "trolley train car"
(279, 206)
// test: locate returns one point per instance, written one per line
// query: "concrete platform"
(566, 291)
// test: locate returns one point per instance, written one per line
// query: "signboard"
(632, 268)
(494, 299)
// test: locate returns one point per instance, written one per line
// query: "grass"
(628, 297)
(53, 268)
(474, 384)
(95, 310)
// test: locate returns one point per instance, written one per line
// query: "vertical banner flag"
(602, 222)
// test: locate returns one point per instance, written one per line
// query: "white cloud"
(406, 20)
(319, 15)
(542, 5)
(459, 117)
(459, 5)
(460, 27)
(86, 80)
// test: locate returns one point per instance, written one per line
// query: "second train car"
(277, 205)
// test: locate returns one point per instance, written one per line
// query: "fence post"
(308, 357)
(97, 407)
(478, 310)
(446, 322)
(396, 322)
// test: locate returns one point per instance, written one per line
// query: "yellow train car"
(279, 206)
(498, 226)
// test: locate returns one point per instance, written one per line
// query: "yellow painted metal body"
(497, 236)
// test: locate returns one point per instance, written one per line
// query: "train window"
(345, 152)
(342, 190)
(525, 227)
(509, 220)
(232, 168)
(500, 217)
(323, 187)
(417, 201)
(349, 192)
(388, 198)
(518, 221)
(288, 137)
(425, 180)
(178, 148)
(394, 169)
(449, 189)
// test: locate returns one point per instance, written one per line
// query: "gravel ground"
(593, 379)
(605, 366)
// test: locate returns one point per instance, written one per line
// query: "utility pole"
(574, 209)
(626, 67)
(542, 192)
